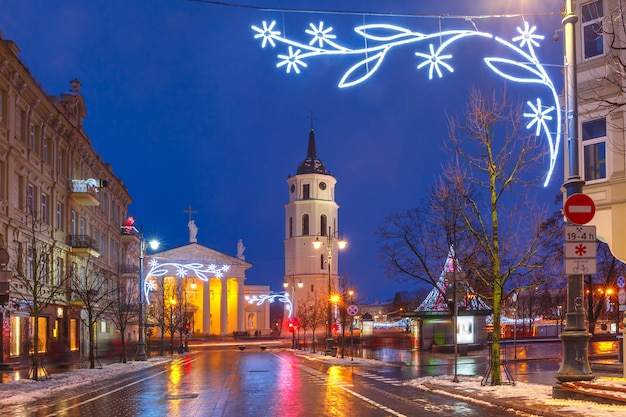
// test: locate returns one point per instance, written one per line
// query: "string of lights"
(374, 13)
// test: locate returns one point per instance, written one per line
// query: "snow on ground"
(26, 390)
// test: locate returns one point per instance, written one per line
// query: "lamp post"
(575, 364)
(172, 304)
(141, 346)
(341, 244)
(293, 306)
(351, 294)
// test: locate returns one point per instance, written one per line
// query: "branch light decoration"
(282, 297)
(199, 270)
(381, 38)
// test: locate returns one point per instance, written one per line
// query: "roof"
(312, 164)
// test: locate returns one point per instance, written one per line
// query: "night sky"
(191, 111)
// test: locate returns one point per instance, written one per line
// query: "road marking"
(374, 403)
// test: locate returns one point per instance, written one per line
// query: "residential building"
(61, 208)
(600, 55)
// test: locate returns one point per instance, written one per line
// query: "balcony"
(83, 245)
(84, 192)
(128, 269)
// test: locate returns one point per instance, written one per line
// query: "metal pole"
(515, 326)
(329, 258)
(351, 334)
(575, 364)
(141, 347)
(456, 313)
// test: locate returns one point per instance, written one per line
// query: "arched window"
(305, 224)
(322, 261)
(291, 227)
(323, 225)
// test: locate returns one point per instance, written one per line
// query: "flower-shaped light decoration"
(379, 39)
(282, 297)
(197, 270)
(292, 61)
(539, 117)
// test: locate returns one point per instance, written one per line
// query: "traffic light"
(187, 327)
(293, 324)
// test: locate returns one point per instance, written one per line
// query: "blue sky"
(190, 110)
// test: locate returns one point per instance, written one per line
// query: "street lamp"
(575, 338)
(141, 346)
(293, 307)
(341, 244)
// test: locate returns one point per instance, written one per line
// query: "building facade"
(204, 290)
(311, 214)
(601, 83)
(61, 208)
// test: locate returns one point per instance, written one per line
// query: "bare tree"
(414, 243)
(312, 314)
(93, 295)
(495, 157)
(124, 293)
(35, 283)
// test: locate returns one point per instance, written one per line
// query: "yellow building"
(204, 289)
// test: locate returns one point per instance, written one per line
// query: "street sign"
(577, 250)
(579, 208)
(353, 310)
(583, 266)
(580, 250)
(621, 282)
(621, 296)
(580, 233)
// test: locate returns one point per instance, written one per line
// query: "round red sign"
(579, 208)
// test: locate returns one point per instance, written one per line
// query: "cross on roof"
(190, 212)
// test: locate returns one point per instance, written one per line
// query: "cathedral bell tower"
(311, 213)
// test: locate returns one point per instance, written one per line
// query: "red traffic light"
(293, 324)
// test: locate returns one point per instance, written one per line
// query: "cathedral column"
(224, 307)
(206, 307)
(241, 326)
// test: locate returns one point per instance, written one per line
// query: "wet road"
(254, 383)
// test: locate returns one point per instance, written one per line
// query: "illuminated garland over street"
(283, 297)
(382, 38)
(198, 270)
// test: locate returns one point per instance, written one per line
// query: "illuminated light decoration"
(282, 297)
(197, 270)
(381, 38)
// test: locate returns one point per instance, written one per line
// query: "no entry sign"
(579, 208)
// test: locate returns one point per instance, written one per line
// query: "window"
(305, 224)
(60, 210)
(60, 157)
(82, 226)
(306, 191)
(323, 225)
(3, 106)
(59, 272)
(32, 136)
(30, 199)
(45, 149)
(291, 227)
(44, 208)
(593, 41)
(2, 180)
(73, 220)
(594, 149)
(29, 263)
(322, 261)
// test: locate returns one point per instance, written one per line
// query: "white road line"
(374, 403)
